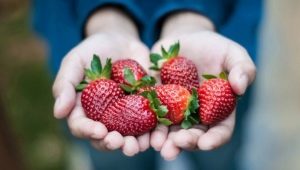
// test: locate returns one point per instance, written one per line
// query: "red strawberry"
(175, 69)
(178, 100)
(133, 85)
(181, 104)
(119, 66)
(130, 115)
(98, 91)
(216, 99)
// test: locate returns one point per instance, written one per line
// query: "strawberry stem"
(155, 104)
(134, 85)
(190, 115)
(95, 72)
(222, 75)
(157, 60)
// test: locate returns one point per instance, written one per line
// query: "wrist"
(185, 22)
(113, 21)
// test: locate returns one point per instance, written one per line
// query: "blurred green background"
(30, 138)
(25, 90)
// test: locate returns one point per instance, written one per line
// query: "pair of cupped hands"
(210, 51)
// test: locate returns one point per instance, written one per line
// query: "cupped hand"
(212, 53)
(71, 72)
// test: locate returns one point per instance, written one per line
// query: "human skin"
(212, 53)
(111, 33)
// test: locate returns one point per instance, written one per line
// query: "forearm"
(111, 20)
(185, 22)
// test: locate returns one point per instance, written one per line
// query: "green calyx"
(95, 72)
(134, 85)
(190, 115)
(222, 75)
(155, 104)
(157, 60)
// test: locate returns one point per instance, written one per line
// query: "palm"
(72, 72)
(212, 54)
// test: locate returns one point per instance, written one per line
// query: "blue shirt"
(61, 22)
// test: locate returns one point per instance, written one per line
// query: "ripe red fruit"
(173, 104)
(175, 69)
(181, 104)
(98, 91)
(130, 115)
(136, 86)
(216, 99)
(119, 66)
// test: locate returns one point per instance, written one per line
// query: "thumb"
(69, 75)
(241, 68)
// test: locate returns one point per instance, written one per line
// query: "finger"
(140, 53)
(99, 145)
(69, 75)
(169, 150)
(241, 68)
(131, 146)
(158, 137)
(114, 140)
(218, 134)
(83, 127)
(188, 138)
(166, 43)
(144, 142)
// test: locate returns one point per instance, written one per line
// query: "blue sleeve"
(85, 8)
(61, 22)
(215, 10)
(56, 23)
(243, 24)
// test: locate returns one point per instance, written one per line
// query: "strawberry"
(119, 66)
(97, 90)
(134, 85)
(175, 69)
(216, 99)
(131, 116)
(181, 104)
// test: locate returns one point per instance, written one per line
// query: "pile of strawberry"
(125, 99)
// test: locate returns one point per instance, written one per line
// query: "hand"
(212, 53)
(106, 41)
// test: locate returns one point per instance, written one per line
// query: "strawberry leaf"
(129, 76)
(165, 121)
(106, 72)
(89, 74)
(164, 52)
(174, 50)
(81, 86)
(155, 68)
(194, 103)
(96, 65)
(162, 111)
(155, 104)
(148, 81)
(190, 115)
(127, 88)
(209, 76)
(154, 58)
(186, 124)
(223, 75)
(194, 119)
